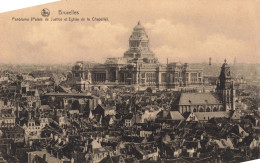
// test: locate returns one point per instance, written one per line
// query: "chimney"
(17, 110)
(44, 157)
(30, 143)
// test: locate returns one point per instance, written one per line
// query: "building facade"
(222, 101)
(225, 87)
(138, 67)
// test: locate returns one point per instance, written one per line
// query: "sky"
(180, 30)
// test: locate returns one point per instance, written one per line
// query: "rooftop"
(198, 99)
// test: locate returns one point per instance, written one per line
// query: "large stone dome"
(139, 26)
(139, 46)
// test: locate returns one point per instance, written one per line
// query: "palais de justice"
(138, 67)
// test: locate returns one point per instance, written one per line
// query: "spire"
(139, 23)
(225, 60)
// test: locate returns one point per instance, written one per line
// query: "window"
(143, 75)
(164, 77)
(193, 77)
(144, 44)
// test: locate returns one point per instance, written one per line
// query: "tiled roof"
(175, 115)
(235, 115)
(223, 143)
(103, 150)
(186, 114)
(69, 94)
(163, 114)
(198, 99)
(208, 115)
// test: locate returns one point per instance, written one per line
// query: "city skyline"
(130, 81)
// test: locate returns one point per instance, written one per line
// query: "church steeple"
(225, 76)
(225, 87)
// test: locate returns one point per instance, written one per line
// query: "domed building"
(139, 46)
(138, 67)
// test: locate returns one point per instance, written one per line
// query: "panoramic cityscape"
(95, 81)
(130, 109)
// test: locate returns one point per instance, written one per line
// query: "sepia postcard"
(140, 81)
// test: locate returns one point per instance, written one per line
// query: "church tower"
(225, 87)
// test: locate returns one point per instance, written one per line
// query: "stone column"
(84, 75)
(137, 78)
(159, 77)
(189, 78)
(171, 82)
(117, 75)
(197, 78)
(107, 76)
(201, 77)
(90, 77)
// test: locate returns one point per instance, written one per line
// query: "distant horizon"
(72, 63)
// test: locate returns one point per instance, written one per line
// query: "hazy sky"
(186, 31)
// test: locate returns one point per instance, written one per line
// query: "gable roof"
(198, 99)
(238, 130)
(16, 128)
(223, 143)
(203, 116)
(235, 115)
(186, 114)
(163, 114)
(99, 109)
(190, 116)
(175, 115)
